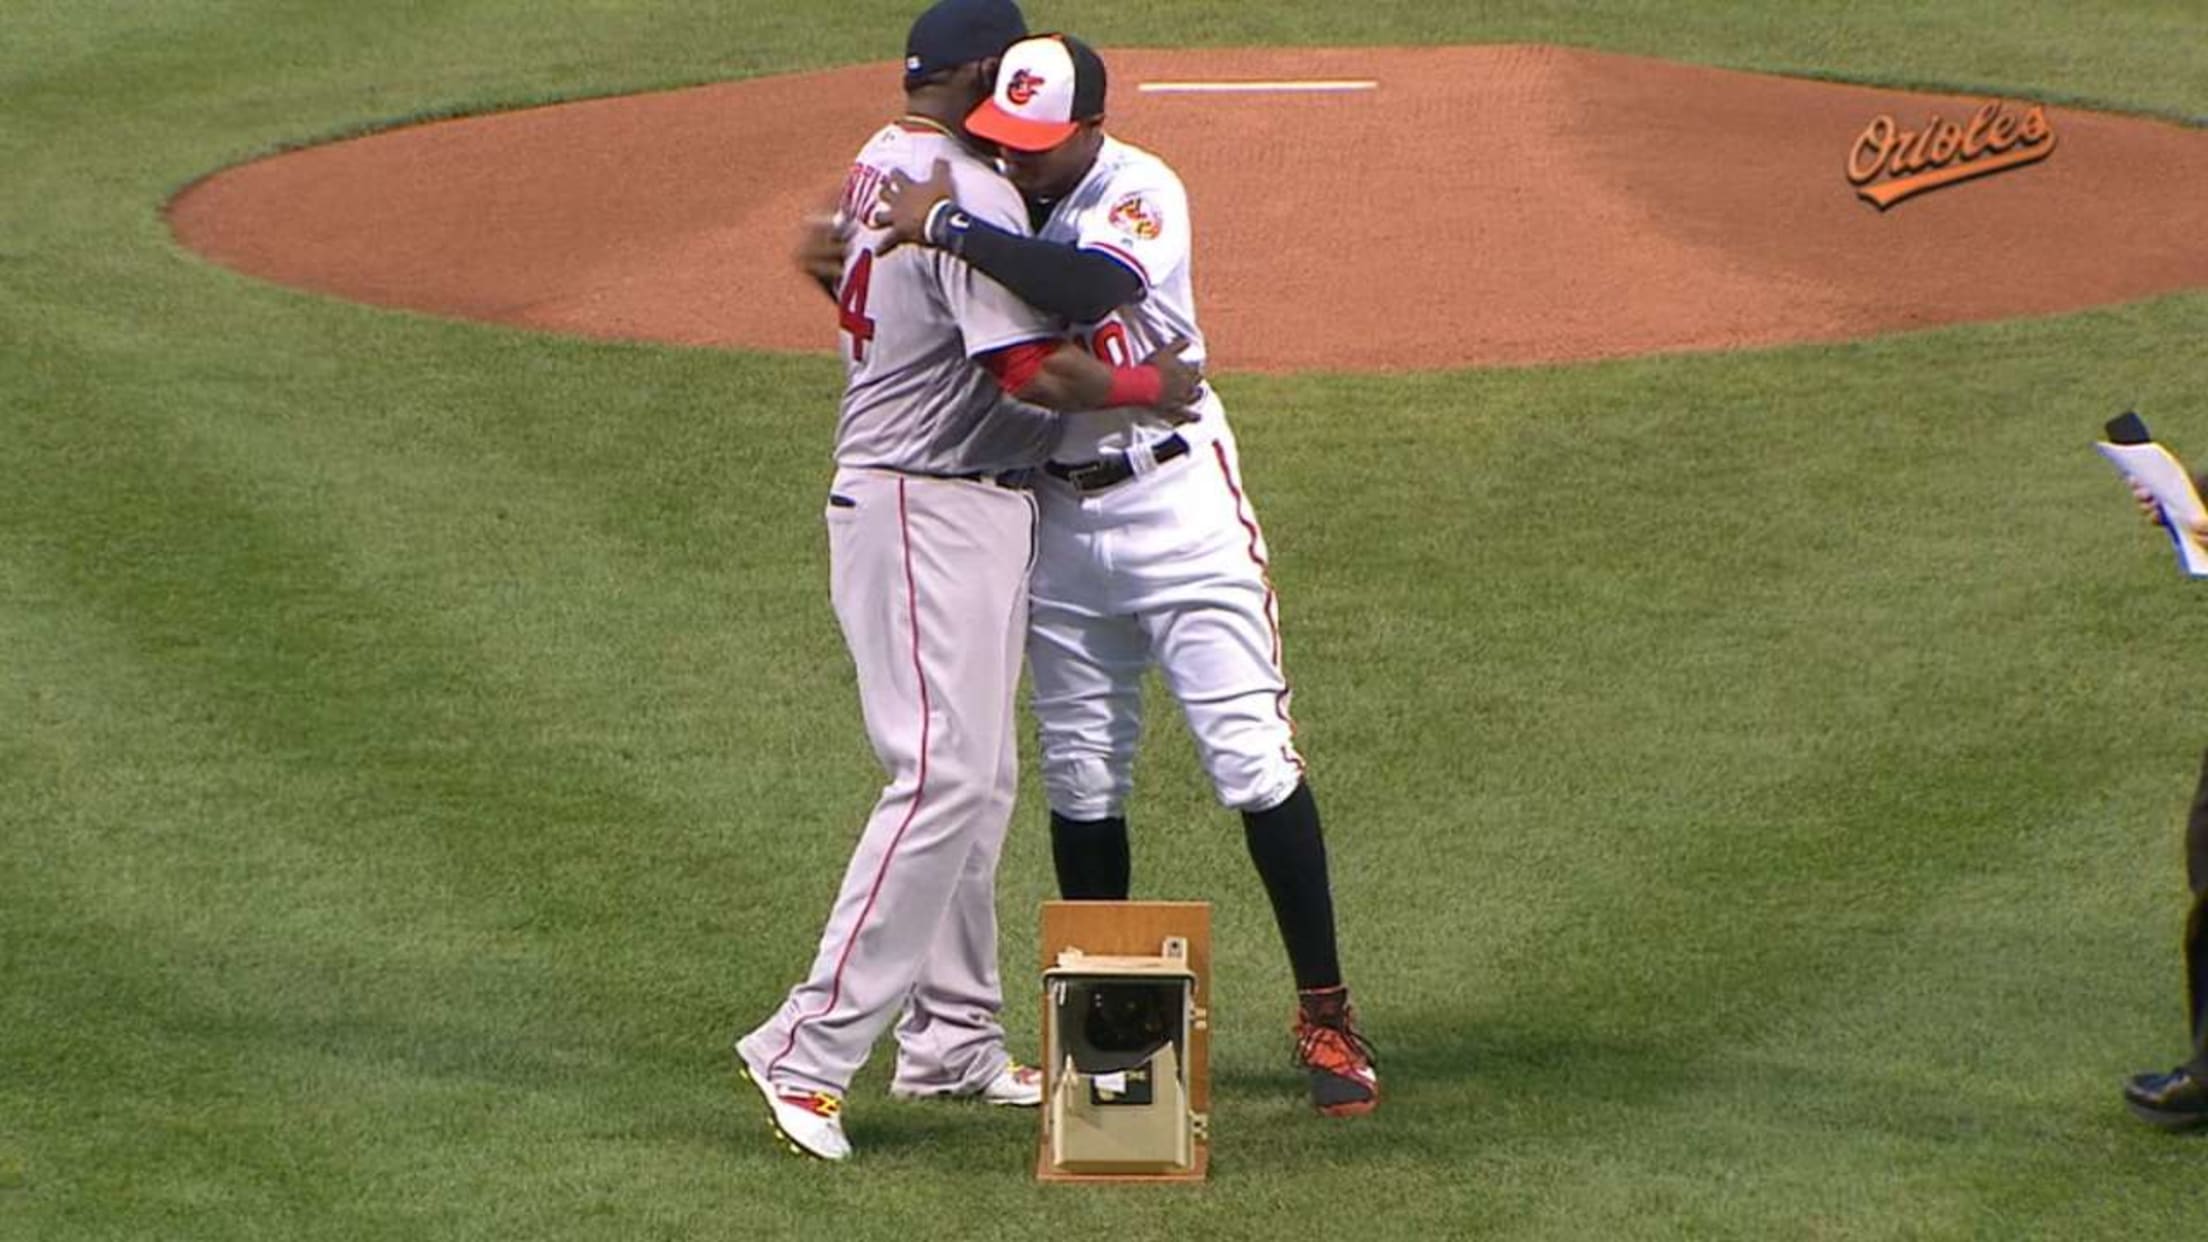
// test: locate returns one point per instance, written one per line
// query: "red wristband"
(1135, 386)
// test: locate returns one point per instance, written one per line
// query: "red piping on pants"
(919, 793)
(1264, 574)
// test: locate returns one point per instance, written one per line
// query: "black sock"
(1091, 856)
(1290, 854)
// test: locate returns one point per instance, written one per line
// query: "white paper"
(1111, 1086)
(2152, 466)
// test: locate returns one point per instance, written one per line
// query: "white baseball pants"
(1169, 566)
(928, 577)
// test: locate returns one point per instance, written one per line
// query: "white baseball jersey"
(1131, 206)
(1166, 568)
(912, 321)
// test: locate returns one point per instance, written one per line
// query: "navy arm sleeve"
(1082, 286)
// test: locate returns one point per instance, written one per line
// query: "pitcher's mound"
(1431, 208)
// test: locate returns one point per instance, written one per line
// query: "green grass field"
(1754, 781)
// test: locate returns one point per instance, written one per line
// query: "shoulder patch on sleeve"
(1138, 215)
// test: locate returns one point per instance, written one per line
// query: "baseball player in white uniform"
(931, 533)
(1149, 548)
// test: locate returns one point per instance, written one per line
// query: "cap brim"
(994, 124)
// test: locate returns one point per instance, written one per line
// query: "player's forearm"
(1069, 379)
(1081, 286)
(1061, 376)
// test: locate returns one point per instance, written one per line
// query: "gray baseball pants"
(929, 581)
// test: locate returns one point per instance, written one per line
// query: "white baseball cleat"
(1015, 1086)
(809, 1122)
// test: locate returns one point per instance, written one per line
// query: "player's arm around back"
(1023, 346)
(1077, 285)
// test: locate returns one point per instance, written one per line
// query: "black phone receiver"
(2128, 428)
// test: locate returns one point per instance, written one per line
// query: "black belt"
(1112, 469)
(1021, 480)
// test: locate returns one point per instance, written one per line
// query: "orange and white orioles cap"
(1046, 86)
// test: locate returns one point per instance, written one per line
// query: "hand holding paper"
(2152, 470)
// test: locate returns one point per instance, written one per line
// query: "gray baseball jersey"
(915, 401)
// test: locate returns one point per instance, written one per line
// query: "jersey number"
(1109, 344)
(851, 304)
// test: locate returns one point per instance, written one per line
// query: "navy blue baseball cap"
(959, 32)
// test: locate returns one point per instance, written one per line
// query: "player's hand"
(2147, 506)
(2153, 510)
(1182, 380)
(902, 206)
(819, 250)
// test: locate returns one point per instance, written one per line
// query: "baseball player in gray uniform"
(931, 534)
(1150, 550)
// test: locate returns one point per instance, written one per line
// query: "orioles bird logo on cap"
(1021, 89)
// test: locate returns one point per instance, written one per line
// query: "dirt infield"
(1474, 206)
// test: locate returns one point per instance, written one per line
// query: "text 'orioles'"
(1944, 152)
